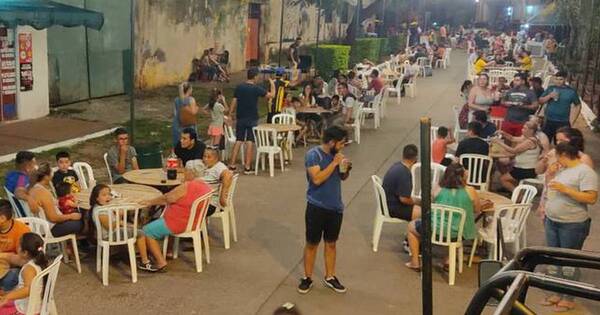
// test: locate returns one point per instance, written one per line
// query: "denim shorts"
(157, 229)
(243, 129)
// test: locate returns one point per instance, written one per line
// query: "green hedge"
(369, 48)
(396, 43)
(330, 57)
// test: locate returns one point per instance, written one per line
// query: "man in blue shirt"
(326, 167)
(17, 181)
(244, 110)
(560, 100)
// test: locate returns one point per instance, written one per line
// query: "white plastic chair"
(523, 194)
(42, 227)
(42, 301)
(227, 213)
(86, 175)
(497, 121)
(411, 87)
(441, 234)
(230, 140)
(447, 56)
(373, 108)
(266, 144)
(287, 119)
(383, 214)
(110, 179)
(117, 234)
(513, 218)
(479, 168)
(195, 227)
(437, 172)
(423, 62)
(395, 89)
(357, 114)
(457, 130)
(23, 210)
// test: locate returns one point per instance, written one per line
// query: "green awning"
(41, 14)
(548, 16)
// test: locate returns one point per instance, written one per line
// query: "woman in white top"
(15, 302)
(526, 149)
(60, 224)
(481, 96)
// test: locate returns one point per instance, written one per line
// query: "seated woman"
(60, 224)
(527, 150)
(454, 192)
(175, 218)
(207, 67)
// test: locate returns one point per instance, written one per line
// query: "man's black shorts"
(243, 129)
(322, 223)
(403, 212)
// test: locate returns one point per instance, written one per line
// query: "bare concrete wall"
(169, 34)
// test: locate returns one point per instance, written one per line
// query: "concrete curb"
(65, 143)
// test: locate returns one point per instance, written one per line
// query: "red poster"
(25, 61)
(25, 52)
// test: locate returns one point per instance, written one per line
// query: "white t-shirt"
(213, 174)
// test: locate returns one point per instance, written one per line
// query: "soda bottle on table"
(172, 164)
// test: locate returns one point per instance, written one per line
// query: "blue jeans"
(566, 235)
(10, 280)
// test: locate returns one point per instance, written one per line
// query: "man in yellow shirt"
(480, 63)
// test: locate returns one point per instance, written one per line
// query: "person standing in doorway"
(326, 167)
(245, 107)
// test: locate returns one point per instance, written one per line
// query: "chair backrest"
(290, 110)
(479, 168)
(232, 188)
(110, 179)
(229, 134)
(45, 298)
(38, 225)
(457, 129)
(198, 213)
(437, 171)
(423, 61)
(380, 198)
(497, 121)
(117, 232)
(265, 137)
(442, 219)
(86, 175)
(513, 218)
(284, 119)
(433, 134)
(20, 208)
(523, 194)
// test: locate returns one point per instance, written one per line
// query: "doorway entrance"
(253, 35)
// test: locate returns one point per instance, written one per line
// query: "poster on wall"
(26, 61)
(8, 83)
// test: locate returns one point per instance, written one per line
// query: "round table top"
(281, 127)
(312, 110)
(127, 194)
(152, 177)
(496, 199)
(496, 151)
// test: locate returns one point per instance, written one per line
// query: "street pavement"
(261, 271)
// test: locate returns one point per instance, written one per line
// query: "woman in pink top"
(439, 145)
(176, 216)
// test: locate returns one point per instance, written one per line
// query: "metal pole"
(588, 52)
(358, 7)
(132, 87)
(281, 32)
(87, 57)
(426, 283)
(318, 31)
(382, 29)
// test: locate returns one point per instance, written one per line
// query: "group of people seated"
(210, 66)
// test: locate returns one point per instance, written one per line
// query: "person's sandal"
(411, 267)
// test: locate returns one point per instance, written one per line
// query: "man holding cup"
(562, 105)
(326, 167)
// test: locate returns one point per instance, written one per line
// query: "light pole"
(132, 87)
(318, 31)
(281, 32)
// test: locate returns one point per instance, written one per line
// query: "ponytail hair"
(33, 245)
(214, 96)
(184, 87)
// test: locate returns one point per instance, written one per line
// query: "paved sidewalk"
(30, 134)
(260, 272)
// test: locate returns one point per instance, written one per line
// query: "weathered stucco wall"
(169, 34)
(298, 20)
